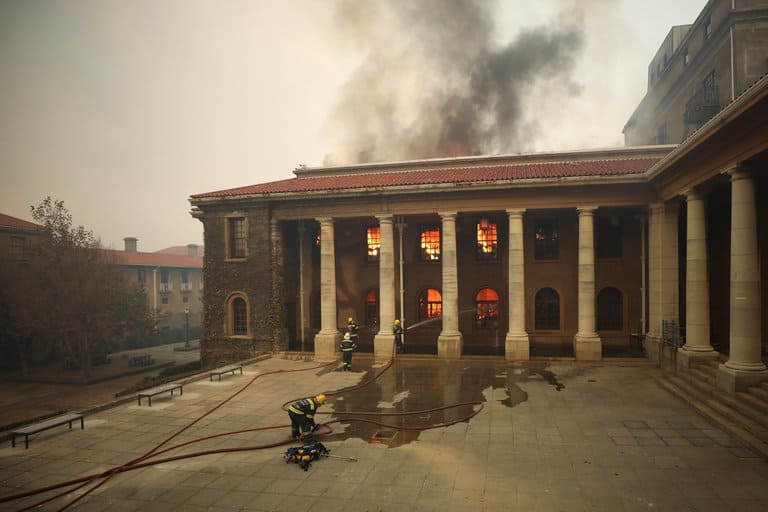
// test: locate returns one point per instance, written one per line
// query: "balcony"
(165, 288)
(185, 287)
(703, 105)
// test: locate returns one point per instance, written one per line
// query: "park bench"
(45, 425)
(141, 360)
(149, 393)
(227, 369)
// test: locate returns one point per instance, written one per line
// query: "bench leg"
(26, 441)
(13, 440)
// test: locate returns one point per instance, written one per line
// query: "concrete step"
(742, 419)
(759, 392)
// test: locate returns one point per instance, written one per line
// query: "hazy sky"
(123, 109)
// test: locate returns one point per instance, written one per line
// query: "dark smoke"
(432, 83)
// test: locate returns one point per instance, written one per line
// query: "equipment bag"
(304, 455)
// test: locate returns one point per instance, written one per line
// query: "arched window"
(430, 304)
(547, 309)
(238, 317)
(487, 309)
(610, 310)
(372, 308)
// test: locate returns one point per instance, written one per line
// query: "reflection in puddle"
(412, 386)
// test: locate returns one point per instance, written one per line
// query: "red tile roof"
(181, 250)
(152, 259)
(6, 221)
(480, 174)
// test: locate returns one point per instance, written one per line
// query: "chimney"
(192, 250)
(131, 244)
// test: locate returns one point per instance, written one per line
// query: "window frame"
(372, 244)
(371, 309)
(484, 304)
(607, 237)
(491, 238)
(540, 245)
(423, 253)
(426, 309)
(616, 310)
(238, 326)
(538, 321)
(236, 236)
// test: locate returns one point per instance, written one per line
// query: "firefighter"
(347, 346)
(397, 329)
(302, 414)
(352, 330)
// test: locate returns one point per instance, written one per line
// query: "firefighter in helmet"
(352, 330)
(347, 346)
(397, 330)
(302, 414)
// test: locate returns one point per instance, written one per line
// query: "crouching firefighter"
(302, 414)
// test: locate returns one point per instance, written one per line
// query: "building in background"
(171, 278)
(17, 237)
(699, 69)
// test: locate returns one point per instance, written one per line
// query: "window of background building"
(239, 313)
(487, 309)
(185, 299)
(237, 237)
(16, 247)
(547, 306)
(372, 308)
(608, 236)
(610, 310)
(430, 304)
(141, 275)
(373, 242)
(546, 243)
(184, 276)
(164, 276)
(164, 300)
(429, 237)
(487, 235)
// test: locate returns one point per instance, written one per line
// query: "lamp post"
(186, 328)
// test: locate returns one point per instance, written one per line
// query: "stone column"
(517, 345)
(449, 343)
(697, 343)
(327, 340)
(653, 337)
(384, 341)
(744, 367)
(670, 291)
(587, 344)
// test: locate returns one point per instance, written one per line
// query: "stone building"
(17, 237)
(172, 282)
(699, 69)
(574, 252)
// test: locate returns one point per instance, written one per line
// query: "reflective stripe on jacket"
(347, 345)
(305, 407)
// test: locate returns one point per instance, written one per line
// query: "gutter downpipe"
(733, 78)
(400, 228)
(643, 274)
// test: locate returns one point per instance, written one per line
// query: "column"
(449, 343)
(384, 341)
(517, 345)
(653, 337)
(744, 367)
(587, 344)
(697, 342)
(670, 266)
(327, 340)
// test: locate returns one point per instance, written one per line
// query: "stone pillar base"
(383, 346)
(732, 380)
(688, 358)
(449, 346)
(588, 347)
(327, 345)
(651, 345)
(517, 347)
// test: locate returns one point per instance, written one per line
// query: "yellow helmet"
(320, 399)
(349, 319)
(397, 322)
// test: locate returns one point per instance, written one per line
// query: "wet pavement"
(543, 436)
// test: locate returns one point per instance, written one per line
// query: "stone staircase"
(744, 414)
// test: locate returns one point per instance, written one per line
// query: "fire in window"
(373, 242)
(430, 304)
(430, 243)
(487, 240)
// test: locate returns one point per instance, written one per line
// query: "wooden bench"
(228, 369)
(141, 360)
(162, 389)
(45, 425)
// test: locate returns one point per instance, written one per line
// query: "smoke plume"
(433, 82)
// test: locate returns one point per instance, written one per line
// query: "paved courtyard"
(557, 436)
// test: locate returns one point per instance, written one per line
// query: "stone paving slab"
(597, 437)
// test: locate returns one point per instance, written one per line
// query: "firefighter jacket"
(347, 345)
(397, 329)
(352, 329)
(305, 407)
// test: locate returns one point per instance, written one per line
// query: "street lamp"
(186, 328)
